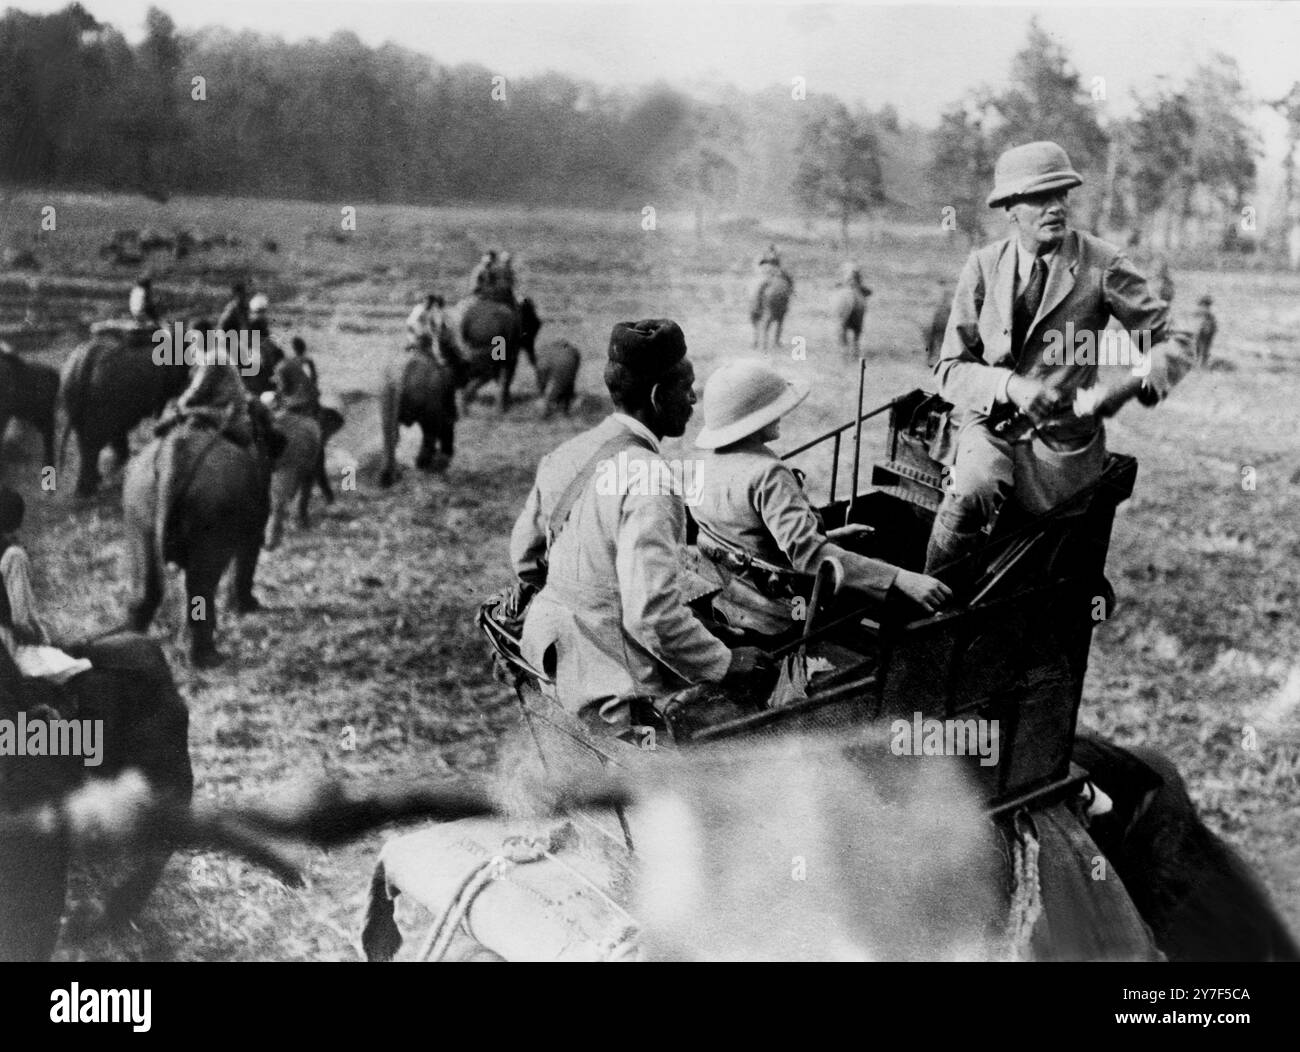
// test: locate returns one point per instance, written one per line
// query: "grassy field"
(369, 627)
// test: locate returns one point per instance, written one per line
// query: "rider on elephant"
(505, 279)
(236, 314)
(216, 396)
(22, 633)
(769, 265)
(482, 279)
(851, 278)
(142, 305)
(296, 387)
(425, 317)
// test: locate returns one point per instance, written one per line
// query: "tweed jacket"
(751, 500)
(1089, 282)
(611, 621)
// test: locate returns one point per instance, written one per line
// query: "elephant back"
(115, 371)
(482, 321)
(849, 305)
(424, 386)
(770, 295)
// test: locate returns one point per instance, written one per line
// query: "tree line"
(220, 112)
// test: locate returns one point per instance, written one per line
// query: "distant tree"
(1190, 154)
(1159, 142)
(709, 161)
(1225, 145)
(840, 171)
(961, 169)
(1046, 99)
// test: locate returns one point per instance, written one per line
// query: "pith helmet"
(1031, 169)
(743, 397)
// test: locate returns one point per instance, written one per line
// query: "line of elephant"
(203, 503)
(770, 302)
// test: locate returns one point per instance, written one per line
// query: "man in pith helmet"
(1024, 312)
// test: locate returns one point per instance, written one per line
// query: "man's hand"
(747, 662)
(1036, 399)
(928, 592)
(1103, 400)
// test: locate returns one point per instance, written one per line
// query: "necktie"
(1026, 307)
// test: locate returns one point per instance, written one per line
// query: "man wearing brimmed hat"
(1025, 311)
(611, 622)
(755, 518)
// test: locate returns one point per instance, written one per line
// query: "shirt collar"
(637, 428)
(1025, 262)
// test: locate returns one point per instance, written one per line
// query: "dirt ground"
(368, 635)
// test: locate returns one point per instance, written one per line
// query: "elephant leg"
(275, 523)
(507, 376)
(201, 578)
(88, 477)
(241, 582)
(447, 437)
(428, 435)
(304, 501)
(147, 574)
(471, 392)
(47, 437)
(322, 478)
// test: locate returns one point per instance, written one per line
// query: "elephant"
(849, 306)
(195, 498)
(1201, 900)
(145, 727)
(557, 369)
(29, 392)
(417, 389)
(107, 386)
(487, 336)
(768, 305)
(299, 467)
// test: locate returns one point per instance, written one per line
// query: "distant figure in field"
(770, 298)
(1205, 325)
(425, 319)
(483, 278)
(849, 305)
(938, 323)
(235, 314)
(1164, 282)
(505, 278)
(143, 307)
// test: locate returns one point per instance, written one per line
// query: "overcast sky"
(917, 56)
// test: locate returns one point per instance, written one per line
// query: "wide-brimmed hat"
(258, 304)
(1032, 169)
(743, 397)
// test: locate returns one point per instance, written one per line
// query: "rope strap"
(1026, 894)
(518, 851)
